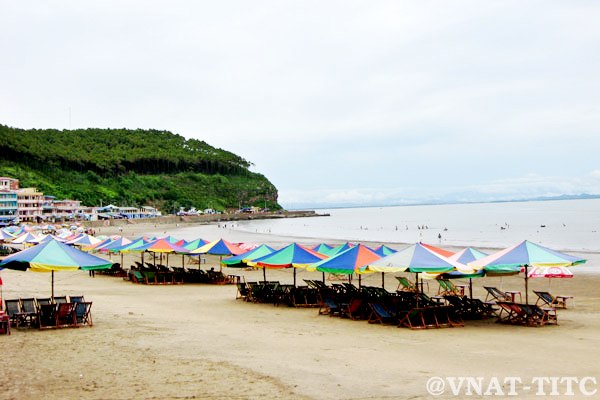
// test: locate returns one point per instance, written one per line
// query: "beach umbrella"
(466, 256)
(161, 246)
(293, 255)
(5, 236)
(23, 238)
(525, 254)
(384, 250)
(338, 249)
(322, 248)
(195, 244)
(85, 240)
(240, 261)
(417, 258)
(53, 256)
(550, 272)
(348, 262)
(445, 253)
(129, 247)
(119, 242)
(219, 247)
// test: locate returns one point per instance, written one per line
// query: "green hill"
(132, 168)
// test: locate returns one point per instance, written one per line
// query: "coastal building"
(114, 212)
(8, 207)
(9, 183)
(29, 204)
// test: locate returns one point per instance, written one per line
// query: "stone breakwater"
(204, 219)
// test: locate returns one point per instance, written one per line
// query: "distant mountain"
(303, 206)
(132, 168)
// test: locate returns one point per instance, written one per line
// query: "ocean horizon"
(565, 225)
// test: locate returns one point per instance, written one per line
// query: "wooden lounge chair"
(83, 316)
(405, 285)
(13, 309)
(65, 315)
(47, 316)
(380, 315)
(550, 300)
(28, 315)
(60, 299)
(355, 309)
(448, 288)
(76, 299)
(43, 300)
(329, 306)
(497, 294)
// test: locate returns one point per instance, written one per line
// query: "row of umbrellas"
(419, 258)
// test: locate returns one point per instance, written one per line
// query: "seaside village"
(418, 286)
(31, 206)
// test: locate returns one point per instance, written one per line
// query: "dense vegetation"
(133, 168)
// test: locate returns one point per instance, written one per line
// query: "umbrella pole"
(359, 280)
(383, 280)
(264, 275)
(183, 261)
(167, 259)
(350, 279)
(526, 286)
(471, 288)
(122, 266)
(294, 276)
(417, 286)
(323, 277)
(52, 290)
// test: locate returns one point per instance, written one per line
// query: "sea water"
(565, 225)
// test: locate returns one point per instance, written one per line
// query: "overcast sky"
(336, 102)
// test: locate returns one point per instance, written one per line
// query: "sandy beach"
(198, 341)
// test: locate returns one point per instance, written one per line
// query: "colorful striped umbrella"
(525, 254)
(416, 258)
(219, 247)
(195, 244)
(322, 248)
(51, 256)
(384, 250)
(240, 261)
(293, 255)
(161, 246)
(338, 249)
(348, 262)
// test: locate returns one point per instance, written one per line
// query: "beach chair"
(448, 288)
(496, 294)
(76, 299)
(28, 314)
(537, 316)
(355, 309)
(60, 299)
(43, 300)
(65, 315)
(83, 316)
(405, 285)
(414, 319)
(137, 277)
(47, 316)
(329, 306)
(13, 309)
(550, 300)
(380, 315)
